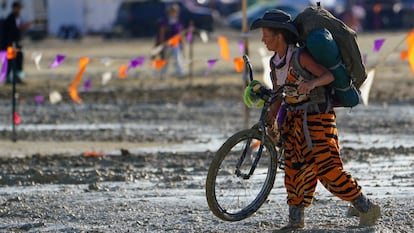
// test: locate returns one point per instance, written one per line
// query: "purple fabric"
(281, 115)
(3, 61)
(172, 29)
(39, 99)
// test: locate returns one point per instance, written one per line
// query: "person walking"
(171, 26)
(11, 36)
(308, 116)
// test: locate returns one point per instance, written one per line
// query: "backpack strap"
(298, 67)
(319, 94)
(272, 71)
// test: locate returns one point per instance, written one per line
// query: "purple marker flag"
(190, 34)
(87, 85)
(241, 47)
(58, 60)
(3, 61)
(211, 63)
(139, 61)
(39, 99)
(378, 44)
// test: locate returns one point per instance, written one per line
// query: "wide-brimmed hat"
(275, 19)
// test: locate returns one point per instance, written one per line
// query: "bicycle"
(243, 171)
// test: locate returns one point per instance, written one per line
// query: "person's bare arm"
(274, 108)
(324, 76)
(25, 26)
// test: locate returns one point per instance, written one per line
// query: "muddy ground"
(155, 140)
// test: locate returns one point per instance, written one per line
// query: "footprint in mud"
(96, 187)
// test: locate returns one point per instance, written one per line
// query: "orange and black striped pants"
(304, 167)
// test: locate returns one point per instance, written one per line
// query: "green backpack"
(334, 45)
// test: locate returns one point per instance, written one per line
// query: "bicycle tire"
(214, 205)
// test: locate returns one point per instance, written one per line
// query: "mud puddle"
(158, 185)
(166, 194)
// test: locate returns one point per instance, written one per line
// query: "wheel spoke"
(233, 194)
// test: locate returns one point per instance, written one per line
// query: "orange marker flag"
(410, 44)
(159, 63)
(255, 144)
(92, 154)
(411, 58)
(73, 91)
(123, 71)
(410, 39)
(410, 52)
(238, 64)
(11, 53)
(403, 55)
(224, 47)
(174, 41)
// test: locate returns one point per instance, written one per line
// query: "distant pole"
(13, 77)
(191, 51)
(245, 29)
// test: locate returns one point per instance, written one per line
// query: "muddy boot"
(296, 217)
(369, 212)
(352, 212)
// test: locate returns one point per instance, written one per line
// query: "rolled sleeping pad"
(324, 50)
(347, 98)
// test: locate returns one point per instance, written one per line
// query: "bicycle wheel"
(230, 195)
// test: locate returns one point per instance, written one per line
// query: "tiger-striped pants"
(305, 167)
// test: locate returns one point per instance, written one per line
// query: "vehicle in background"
(256, 11)
(381, 14)
(142, 18)
(388, 14)
(407, 12)
(72, 19)
(225, 7)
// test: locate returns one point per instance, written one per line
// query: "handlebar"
(273, 94)
(248, 66)
(268, 95)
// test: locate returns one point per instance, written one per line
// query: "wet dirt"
(156, 140)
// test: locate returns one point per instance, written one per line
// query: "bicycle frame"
(262, 127)
(249, 155)
(274, 96)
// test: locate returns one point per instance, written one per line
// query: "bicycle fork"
(247, 150)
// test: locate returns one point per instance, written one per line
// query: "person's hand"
(250, 98)
(270, 119)
(306, 87)
(273, 133)
(26, 25)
